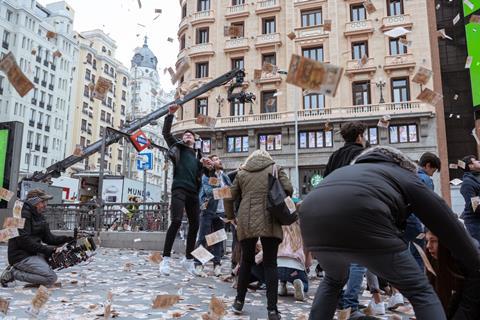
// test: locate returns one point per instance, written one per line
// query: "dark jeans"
(210, 222)
(349, 298)
(188, 201)
(413, 228)
(399, 268)
(270, 250)
(290, 274)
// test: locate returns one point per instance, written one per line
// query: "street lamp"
(220, 101)
(381, 84)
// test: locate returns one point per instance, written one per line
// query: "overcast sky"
(121, 18)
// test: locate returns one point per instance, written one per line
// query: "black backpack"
(276, 200)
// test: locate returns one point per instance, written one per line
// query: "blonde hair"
(293, 235)
(258, 153)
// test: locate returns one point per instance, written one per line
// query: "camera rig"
(238, 75)
(74, 252)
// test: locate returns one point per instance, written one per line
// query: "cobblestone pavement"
(84, 289)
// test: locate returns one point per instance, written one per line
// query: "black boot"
(274, 315)
(237, 306)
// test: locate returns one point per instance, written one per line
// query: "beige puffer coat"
(251, 186)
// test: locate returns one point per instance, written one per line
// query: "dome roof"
(144, 57)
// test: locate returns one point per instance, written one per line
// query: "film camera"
(241, 96)
(73, 253)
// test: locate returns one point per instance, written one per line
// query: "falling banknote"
(17, 209)
(422, 76)
(313, 75)
(101, 88)
(11, 222)
(429, 96)
(206, 121)
(216, 237)
(202, 254)
(222, 193)
(7, 234)
(165, 301)
(182, 67)
(6, 194)
(15, 75)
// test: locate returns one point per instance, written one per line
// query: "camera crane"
(57, 168)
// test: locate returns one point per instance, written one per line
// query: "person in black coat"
(28, 253)
(471, 188)
(363, 208)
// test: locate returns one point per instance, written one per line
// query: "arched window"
(94, 64)
(111, 71)
(124, 81)
(89, 58)
(106, 68)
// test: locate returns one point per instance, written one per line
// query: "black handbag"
(276, 201)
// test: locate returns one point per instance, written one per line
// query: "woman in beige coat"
(254, 222)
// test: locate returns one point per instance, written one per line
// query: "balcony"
(237, 11)
(355, 66)
(406, 109)
(37, 147)
(237, 44)
(270, 78)
(44, 83)
(42, 104)
(202, 17)
(50, 86)
(401, 61)
(36, 80)
(267, 40)
(34, 101)
(38, 59)
(45, 149)
(308, 3)
(49, 107)
(183, 25)
(358, 27)
(311, 33)
(182, 54)
(47, 128)
(265, 6)
(5, 45)
(402, 20)
(202, 49)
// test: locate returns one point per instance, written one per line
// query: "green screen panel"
(473, 45)
(3, 153)
(466, 8)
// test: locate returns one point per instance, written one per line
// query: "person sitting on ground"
(356, 215)
(28, 253)
(292, 261)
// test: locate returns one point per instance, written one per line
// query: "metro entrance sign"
(140, 140)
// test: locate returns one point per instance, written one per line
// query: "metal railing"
(137, 217)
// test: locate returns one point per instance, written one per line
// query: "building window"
(269, 58)
(86, 91)
(237, 2)
(182, 42)
(201, 106)
(314, 101)
(84, 125)
(124, 95)
(395, 7)
(371, 135)
(315, 139)
(102, 115)
(203, 5)
(238, 63)
(311, 17)
(202, 35)
(403, 133)
(396, 47)
(270, 142)
(237, 108)
(237, 144)
(269, 101)
(201, 70)
(361, 93)
(124, 81)
(268, 25)
(400, 90)
(89, 58)
(184, 11)
(206, 145)
(359, 49)
(315, 53)
(87, 74)
(357, 12)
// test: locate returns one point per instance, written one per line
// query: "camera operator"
(28, 253)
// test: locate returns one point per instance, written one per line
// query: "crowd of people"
(372, 216)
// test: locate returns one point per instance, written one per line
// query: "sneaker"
(6, 276)
(298, 294)
(274, 315)
(189, 265)
(282, 289)
(376, 309)
(165, 266)
(344, 314)
(217, 270)
(395, 301)
(237, 307)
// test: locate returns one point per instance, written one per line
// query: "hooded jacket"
(176, 148)
(343, 156)
(362, 208)
(470, 188)
(34, 238)
(251, 186)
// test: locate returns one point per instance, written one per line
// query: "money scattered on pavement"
(314, 75)
(422, 76)
(222, 193)
(4, 303)
(6, 194)
(206, 121)
(217, 308)
(101, 88)
(155, 257)
(429, 96)
(107, 311)
(11, 222)
(15, 75)
(165, 301)
(216, 237)
(202, 254)
(40, 299)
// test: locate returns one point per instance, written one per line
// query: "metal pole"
(144, 185)
(296, 151)
(29, 158)
(100, 181)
